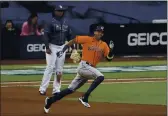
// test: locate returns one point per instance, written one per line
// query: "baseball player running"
(55, 35)
(94, 49)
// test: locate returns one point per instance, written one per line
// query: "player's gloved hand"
(48, 51)
(59, 54)
(110, 56)
(75, 56)
(111, 45)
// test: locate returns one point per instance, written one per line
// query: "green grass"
(153, 93)
(121, 63)
(150, 74)
(107, 75)
(135, 93)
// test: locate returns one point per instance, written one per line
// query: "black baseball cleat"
(46, 109)
(85, 103)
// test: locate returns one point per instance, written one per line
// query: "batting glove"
(111, 44)
(59, 54)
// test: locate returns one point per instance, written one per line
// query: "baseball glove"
(75, 56)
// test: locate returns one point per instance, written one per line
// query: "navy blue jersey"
(57, 32)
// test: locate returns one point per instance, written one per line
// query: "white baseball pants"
(54, 64)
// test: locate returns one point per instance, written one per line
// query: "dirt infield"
(26, 101)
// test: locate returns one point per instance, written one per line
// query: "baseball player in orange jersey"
(94, 49)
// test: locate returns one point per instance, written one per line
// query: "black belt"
(89, 64)
(59, 44)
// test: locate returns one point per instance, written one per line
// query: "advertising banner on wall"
(129, 39)
(136, 39)
(32, 47)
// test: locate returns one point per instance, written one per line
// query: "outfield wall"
(129, 39)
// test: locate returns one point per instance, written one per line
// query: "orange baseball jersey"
(93, 50)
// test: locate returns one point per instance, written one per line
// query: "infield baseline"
(67, 82)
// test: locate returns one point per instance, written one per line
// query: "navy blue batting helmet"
(60, 8)
(99, 28)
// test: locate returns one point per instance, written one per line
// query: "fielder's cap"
(60, 8)
(99, 28)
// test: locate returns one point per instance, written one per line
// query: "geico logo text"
(144, 39)
(35, 47)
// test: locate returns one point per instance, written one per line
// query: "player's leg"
(55, 84)
(77, 82)
(91, 72)
(50, 60)
(57, 78)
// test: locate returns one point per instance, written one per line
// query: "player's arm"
(70, 37)
(78, 40)
(109, 51)
(110, 56)
(69, 44)
(75, 56)
(45, 38)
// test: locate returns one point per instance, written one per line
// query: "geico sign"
(35, 47)
(143, 39)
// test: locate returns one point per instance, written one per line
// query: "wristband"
(65, 48)
(110, 55)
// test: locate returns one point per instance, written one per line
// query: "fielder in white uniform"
(55, 35)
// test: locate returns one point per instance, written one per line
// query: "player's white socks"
(56, 85)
